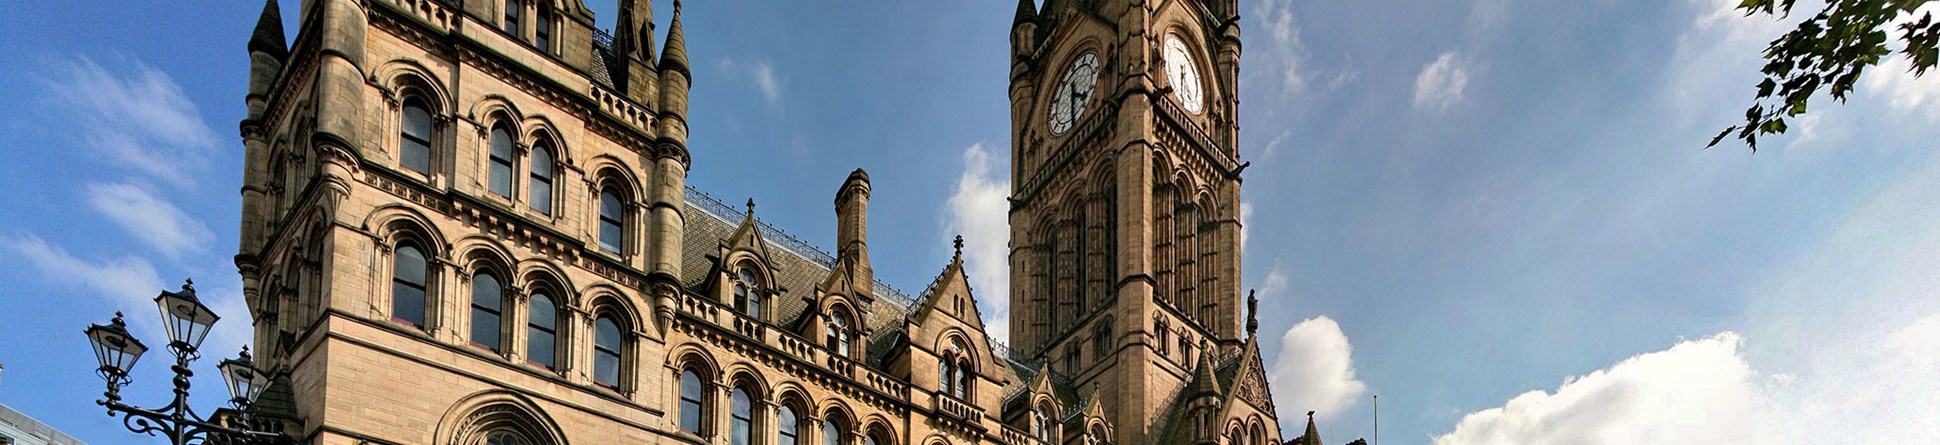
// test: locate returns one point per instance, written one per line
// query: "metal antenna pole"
(1377, 419)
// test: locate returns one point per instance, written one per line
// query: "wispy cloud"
(129, 282)
(1287, 52)
(1315, 370)
(758, 73)
(149, 218)
(139, 118)
(979, 209)
(1442, 82)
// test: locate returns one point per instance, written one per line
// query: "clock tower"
(1125, 248)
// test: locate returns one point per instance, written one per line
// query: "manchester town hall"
(466, 222)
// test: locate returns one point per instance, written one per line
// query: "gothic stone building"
(466, 222)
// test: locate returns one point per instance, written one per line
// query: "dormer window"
(838, 333)
(747, 293)
(1041, 423)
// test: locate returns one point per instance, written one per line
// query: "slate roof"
(800, 267)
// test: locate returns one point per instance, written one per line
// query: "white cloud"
(979, 209)
(1315, 368)
(1441, 82)
(760, 74)
(1894, 77)
(1698, 391)
(1877, 390)
(151, 219)
(142, 120)
(1245, 221)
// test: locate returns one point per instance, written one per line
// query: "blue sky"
(1496, 215)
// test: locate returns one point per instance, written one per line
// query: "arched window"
(408, 278)
(1237, 437)
(539, 192)
(1164, 332)
(838, 328)
(542, 330)
(877, 436)
(500, 174)
(833, 429)
(414, 145)
(612, 221)
(1259, 435)
(692, 404)
(1096, 436)
(790, 430)
(741, 412)
(512, 18)
(487, 304)
(606, 351)
(542, 30)
(1041, 423)
(1101, 336)
(503, 438)
(747, 293)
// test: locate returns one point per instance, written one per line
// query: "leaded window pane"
(414, 147)
(540, 191)
(611, 218)
(501, 157)
(408, 285)
(542, 330)
(606, 351)
(487, 301)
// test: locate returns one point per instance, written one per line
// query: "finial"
(245, 353)
(1310, 416)
(1252, 312)
(959, 246)
(676, 6)
(750, 206)
(188, 286)
(117, 321)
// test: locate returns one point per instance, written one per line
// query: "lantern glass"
(114, 348)
(188, 319)
(246, 382)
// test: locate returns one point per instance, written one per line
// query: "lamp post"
(187, 321)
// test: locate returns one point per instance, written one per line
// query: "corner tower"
(1125, 263)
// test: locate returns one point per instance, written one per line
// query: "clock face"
(1074, 92)
(1183, 74)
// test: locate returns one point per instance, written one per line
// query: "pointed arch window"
(612, 221)
(414, 139)
(741, 416)
(1164, 333)
(838, 335)
(542, 330)
(1041, 423)
(788, 425)
(692, 401)
(1101, 334)
(539, 192)
(606, 351)
(487, 306)
(500, 174)
(408, 278)
(1096, 436)
(747, 292)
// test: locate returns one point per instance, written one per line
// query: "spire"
(1026, 10)
(675, 55)
(1204, 381)
(268, 38)
(1312, 436)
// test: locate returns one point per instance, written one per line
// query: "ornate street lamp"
(188, 322)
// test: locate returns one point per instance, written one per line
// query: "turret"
(1023, 28)
(266, 56)
(674, 78)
